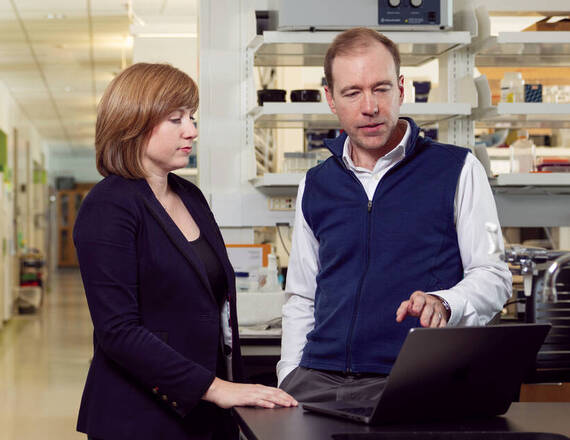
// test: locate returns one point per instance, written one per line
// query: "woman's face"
(170, 143)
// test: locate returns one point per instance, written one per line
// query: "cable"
(549, 237)
(278, 226)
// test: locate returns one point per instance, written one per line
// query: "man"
(389, 235)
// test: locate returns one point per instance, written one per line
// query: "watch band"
(445, 305)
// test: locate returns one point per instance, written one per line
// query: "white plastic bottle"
(523, 154)
(272, 275)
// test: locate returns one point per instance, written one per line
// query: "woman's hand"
(227, 394)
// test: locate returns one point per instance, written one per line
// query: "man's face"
(366, 97)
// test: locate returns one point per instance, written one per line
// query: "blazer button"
(174, 404)
(155, 390)
(164, 397)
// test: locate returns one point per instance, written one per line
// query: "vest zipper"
(355, 311)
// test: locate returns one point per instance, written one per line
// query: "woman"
(158, 281)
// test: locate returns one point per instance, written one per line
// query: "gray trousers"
(308, 385)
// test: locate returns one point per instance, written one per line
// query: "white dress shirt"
(487, 282)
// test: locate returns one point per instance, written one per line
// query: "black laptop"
(450, 373)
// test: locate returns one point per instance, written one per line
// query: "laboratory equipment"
(425, 15)
(545, 295)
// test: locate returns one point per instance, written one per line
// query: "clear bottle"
(523, 154)
(512, 87)
(518, 86)
(507, 93)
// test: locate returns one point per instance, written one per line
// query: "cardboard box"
(543, 25)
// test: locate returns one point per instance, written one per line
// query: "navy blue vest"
(375, 255)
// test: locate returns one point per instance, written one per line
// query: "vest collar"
(336, 145)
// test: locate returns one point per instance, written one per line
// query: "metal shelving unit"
(524, 114)
(316, 115)
(524, 49)
(278, 179)
(505, 153)
(278, 184)
(275, 48)
(458, 55)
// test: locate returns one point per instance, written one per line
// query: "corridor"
(44, 359)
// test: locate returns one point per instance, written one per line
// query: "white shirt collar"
(395, 155)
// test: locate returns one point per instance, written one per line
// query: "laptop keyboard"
(365, 411)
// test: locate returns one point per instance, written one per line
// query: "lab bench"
(522, 421)
(532, 200)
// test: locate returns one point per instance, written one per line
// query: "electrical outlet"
(282, 203)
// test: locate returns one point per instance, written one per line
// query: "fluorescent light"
(55, 16)
(180, 27)
(167, 35)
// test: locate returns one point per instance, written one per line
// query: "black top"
(214, 268)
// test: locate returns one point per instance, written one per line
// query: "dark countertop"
(296, 424)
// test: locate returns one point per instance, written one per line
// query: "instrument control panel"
(406, 13)
(383, 15)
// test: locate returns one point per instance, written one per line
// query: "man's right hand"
(227, 394)
(429, 308)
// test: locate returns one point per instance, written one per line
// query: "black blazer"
(157, 327)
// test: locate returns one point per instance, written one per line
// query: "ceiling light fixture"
(55, 16)
(167, 35)
(180, 27)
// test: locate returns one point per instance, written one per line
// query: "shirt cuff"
(456, 304)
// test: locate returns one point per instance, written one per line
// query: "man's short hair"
(137, 100)
(354, 39)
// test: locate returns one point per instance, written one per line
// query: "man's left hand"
(428, 308)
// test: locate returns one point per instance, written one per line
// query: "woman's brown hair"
(135, 101)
